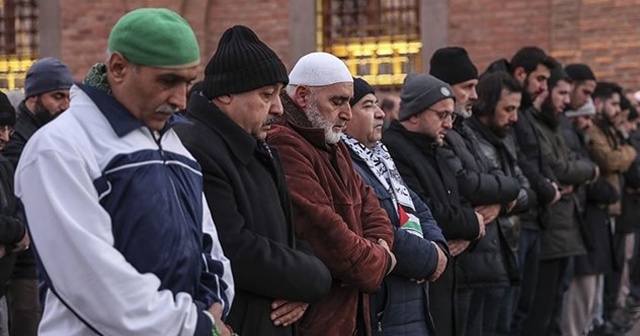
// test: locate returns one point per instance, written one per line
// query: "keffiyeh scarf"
(382, 166)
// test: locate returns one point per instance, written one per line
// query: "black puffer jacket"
(500, 154)
(478, 180)
(487, 261)
(535, 168)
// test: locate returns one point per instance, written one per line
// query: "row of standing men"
(278, 206)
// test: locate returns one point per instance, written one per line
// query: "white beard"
(317, 121)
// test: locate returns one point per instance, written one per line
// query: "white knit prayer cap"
(319, 69)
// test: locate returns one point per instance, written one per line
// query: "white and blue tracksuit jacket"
(120, 225)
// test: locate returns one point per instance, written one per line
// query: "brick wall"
(86, 25)
(602, 33)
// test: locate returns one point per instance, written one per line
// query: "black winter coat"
(12, 227)
(479, 182)
(247, 194)
(423, 167)
(485, 262)
(535, 168)
(592, 200)
(26, 125)
(629, 219)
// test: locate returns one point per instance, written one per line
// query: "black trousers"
(442, 302)
(547, 302)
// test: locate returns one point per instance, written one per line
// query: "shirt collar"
(121, 120)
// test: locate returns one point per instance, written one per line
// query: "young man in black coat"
(531, 67)
(275, 277)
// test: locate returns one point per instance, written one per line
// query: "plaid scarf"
(382, 166)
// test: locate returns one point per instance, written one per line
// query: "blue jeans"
(528, 258)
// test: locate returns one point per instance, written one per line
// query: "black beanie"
(452, 65)
(7, 112)
(579, 72)
(360, 89)
(242, 63)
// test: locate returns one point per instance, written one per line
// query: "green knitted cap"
(155, 37)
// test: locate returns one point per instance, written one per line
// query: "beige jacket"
(612, 156)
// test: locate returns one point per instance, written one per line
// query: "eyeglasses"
(7, 128)
(443, 115)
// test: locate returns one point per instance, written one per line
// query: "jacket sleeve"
(351, 258)
(417, 257)
(12, 230)
(214, 288)
(602, 192)
(539, 175)
(632, 175)
(457, 221)
(260, 265)
(67, 209)
(375, 223)
(609, 159)
(430, 228)
(568, 170)
(526, 196)
(478, 187)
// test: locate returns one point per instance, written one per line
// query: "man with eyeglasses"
(46, 91)
(13, 234)
(414, 141)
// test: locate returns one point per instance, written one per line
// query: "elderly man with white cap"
(333, 209)
(114, 201)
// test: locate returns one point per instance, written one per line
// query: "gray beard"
(461, 111)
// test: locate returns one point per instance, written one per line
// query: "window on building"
(18, 41)
(379, 40)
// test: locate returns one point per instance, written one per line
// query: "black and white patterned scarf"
(382, 166)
